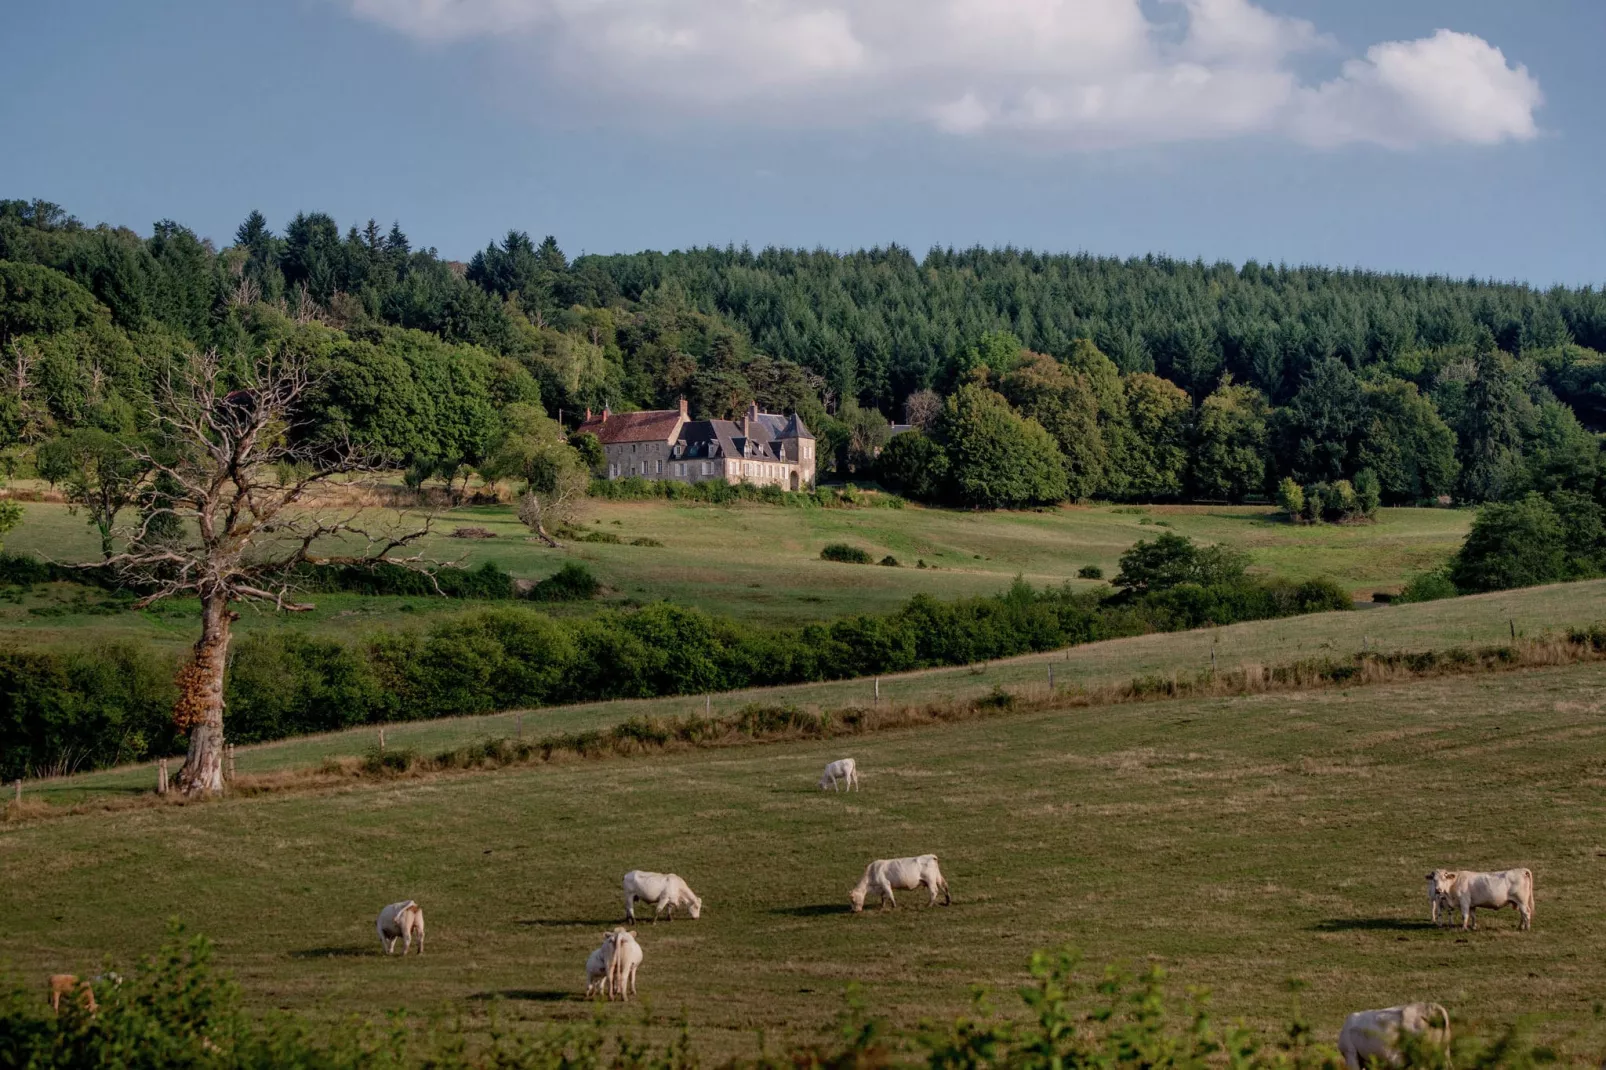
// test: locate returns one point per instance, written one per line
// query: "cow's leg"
(630, 908)
(420, 941)
(887, 902)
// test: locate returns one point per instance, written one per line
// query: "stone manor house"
(762, 449)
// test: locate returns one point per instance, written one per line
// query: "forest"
(1028, 378)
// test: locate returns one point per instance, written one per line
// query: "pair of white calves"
(611, 969)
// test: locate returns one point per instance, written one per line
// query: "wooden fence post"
(228, 761)
(878, 690)
(708, 705)
(381, 741)
(518, 725)
(19, 791)
(161, 776)
(1051, 679)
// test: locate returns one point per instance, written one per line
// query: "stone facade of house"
(762, 448)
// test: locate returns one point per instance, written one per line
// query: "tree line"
(114, 704)
(1030, 378)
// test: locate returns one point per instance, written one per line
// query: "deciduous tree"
(222, 443)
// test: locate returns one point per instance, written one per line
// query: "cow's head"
(695, 907)
(1440, 883)
(856, 897)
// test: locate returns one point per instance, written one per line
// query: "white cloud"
(1444, 88)
(1081, 73)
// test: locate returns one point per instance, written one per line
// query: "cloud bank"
(1068, 73)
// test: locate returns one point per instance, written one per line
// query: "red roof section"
(656, 425)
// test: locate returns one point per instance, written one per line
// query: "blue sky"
(1309, 131)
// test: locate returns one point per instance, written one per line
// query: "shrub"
(1173, 559)
(1290, 498)
(1512, 544)
(846, 554)
(1090, 572)
(1428, 587)
(890, 562)
(571, 583)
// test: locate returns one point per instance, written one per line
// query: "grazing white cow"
(1375, 1035)
(661, 891)
(844, 770)
(400, 923)
(1467, 891)
(622, 966)
(904, 874)
(597, 966)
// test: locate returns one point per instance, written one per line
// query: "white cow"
(622, 966)
(904, 874)
(1375, 1035)
(400, 923)
(1468, 891)
(845, 770)
(597, 966)
(662, 891)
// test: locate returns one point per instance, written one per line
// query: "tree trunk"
(200, 701)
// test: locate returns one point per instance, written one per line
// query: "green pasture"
(1239, 843)
(761, 563)
(1473, 621)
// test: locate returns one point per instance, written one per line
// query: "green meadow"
(761, 563)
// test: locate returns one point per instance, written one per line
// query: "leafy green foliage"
(846, 554)
(1536, 539)
(571, 583)
(1230, 437)
(996, 458)
(1171, 560)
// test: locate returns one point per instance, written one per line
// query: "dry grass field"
(1241, 843)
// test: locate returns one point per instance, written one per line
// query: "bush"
(1171, 560)
(571, 583)
(846, 554)
(890, 562)
(1512, 544)
(487, 582)
(1291, 499)
(1090, 572)
(1428, 587)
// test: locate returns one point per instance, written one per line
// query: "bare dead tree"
(307, 310)
(244, 524)
(247, 292)
(16, 378)
(922, 408)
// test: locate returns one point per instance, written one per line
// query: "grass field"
(1238, 842)
(1482, 619)
(761, 563)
